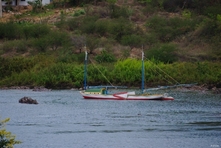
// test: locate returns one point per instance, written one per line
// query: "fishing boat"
(102, 92)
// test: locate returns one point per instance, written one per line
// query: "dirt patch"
(16, 11)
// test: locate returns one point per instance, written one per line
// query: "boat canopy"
(96, 91)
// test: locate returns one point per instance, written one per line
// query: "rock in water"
(27, 100)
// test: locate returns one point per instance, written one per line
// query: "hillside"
(192, 44)
(44, 46)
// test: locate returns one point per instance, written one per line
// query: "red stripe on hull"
(95, 98)
(121, 98)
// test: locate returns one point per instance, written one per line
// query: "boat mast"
(142, 82)
(85, 70)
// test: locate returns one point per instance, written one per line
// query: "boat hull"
(125, 96)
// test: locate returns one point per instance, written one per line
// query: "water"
(63, 119)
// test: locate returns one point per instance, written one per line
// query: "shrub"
(150, 39)
(21, 46)
(71, 24)
(186, 13)
(35, 31)
(124, 12)
(36, 5)
(68, 57)
(41, 44)
(87, 25)
(105, 57)
(56, 39)
(79, 12)
(101, 27)
(169, 29)
(132, 40)
(120, 27)
(92, 43)
(212, 11)
(210, 28)
(164, 53)
(10, 31)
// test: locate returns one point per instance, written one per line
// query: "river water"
(63, 119)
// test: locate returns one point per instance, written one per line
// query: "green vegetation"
(180, 39)
(7, 140)
(52, 74)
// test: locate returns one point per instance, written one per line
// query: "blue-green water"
(63, 119)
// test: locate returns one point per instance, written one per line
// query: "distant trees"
(174, 5)
(83, 2)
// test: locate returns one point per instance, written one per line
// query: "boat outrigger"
(102, 94)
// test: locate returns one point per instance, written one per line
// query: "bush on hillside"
(164, 53)
(117, 28)
(87, 24)
(124, 12)
(132, 40)
(105, 57)
(169, 29)
(101, 27)
(10, 31)
(58, 39)
(40, 44)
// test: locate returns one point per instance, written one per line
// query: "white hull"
(125, 96)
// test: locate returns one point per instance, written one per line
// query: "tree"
(7, 140)
(78, 41)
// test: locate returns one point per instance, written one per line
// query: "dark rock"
(27, 100)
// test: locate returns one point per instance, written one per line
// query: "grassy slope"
(190, 47)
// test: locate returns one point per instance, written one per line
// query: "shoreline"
(198, 88)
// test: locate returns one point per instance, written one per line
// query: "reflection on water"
(64, 119)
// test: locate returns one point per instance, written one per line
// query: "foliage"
(186, 13)
(118, 12)
(87, 25)
(101, 27)
(35, 30)
(132, 40)
(15, 65)
(67, 56)
(9, 31)
(127, 72)
(212, 11)
(41, 44)
(79, 12)
(7, 140)
(164, 53)
(78, 41)
(117, 28)
(92, 43)
(19, 46)
(209, 28)
(61, 47)
(53, 73)
(105, 57)
(36, 6)
(57, 39)
(169, 29)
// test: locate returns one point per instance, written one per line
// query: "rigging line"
(101, 73)
(165, 73)
(160, 74)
